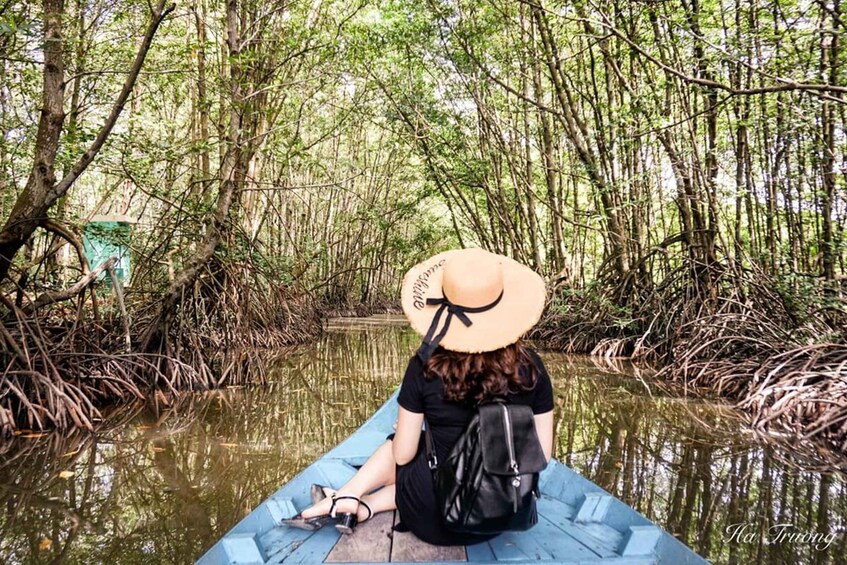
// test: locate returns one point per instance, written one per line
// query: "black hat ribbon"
(428, 345)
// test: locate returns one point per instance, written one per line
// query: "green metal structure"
(108, 236)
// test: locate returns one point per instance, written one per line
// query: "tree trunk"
(156, 334)
(32, 204)
(42, 191)
(575, 130)
(829, 70)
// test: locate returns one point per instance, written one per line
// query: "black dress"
(415, 493)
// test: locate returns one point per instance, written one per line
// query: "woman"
(472, 307)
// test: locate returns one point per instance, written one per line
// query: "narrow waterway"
(160, 485)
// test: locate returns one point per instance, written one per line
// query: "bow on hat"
(429, 344)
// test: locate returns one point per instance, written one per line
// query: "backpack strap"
(430, 449)
(431, 458)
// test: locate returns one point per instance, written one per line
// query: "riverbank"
(764, 354)
(61, 366)
(776, 353)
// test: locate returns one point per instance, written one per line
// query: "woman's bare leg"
(380, 501)
(376, 472)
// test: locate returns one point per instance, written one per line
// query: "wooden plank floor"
(376, 542)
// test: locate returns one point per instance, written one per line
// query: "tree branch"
(786, 83)
(79, 286)
(60, 230)
(159, 14)
(42, 191)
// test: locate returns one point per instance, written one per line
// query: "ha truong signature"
(744, 532)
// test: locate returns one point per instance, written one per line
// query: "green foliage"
(12, 24)
(379, 132)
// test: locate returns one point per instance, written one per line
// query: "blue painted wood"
(562, 483)
(606, 509)
(479, 552)
(558, 543)
(242, 548)
(505, 549)
(579, 522)
(280, 542)
(602, 540)
(280, 508)
(313, 550)
(642, 540)
(594, 507)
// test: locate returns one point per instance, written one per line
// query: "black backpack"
(489, 482)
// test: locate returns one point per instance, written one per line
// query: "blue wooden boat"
(578, 523)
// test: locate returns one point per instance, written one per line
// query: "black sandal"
(316, 522)
(318, 493)
(347, 521)
(311, 524)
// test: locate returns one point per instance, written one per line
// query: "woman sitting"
(471, 360)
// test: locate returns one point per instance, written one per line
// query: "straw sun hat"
(471, 300)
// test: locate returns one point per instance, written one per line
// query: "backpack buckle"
(433, 462)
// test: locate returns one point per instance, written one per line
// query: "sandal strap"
(366, 505)
(335, 499)
(346, 497)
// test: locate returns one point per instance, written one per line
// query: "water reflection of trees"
(160, 484)
(691, 467)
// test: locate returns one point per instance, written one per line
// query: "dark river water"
(161, 484)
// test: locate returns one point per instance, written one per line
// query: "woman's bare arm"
(544, 429)
(407, 436)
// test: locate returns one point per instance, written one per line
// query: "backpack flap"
(507, 436)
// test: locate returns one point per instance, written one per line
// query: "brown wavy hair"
(480, 377)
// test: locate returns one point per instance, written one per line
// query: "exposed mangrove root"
(612, 348)
(231, 308)
(584, 323)
(801, 389)
(61, 365)
(778, 352)
(774, 353)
